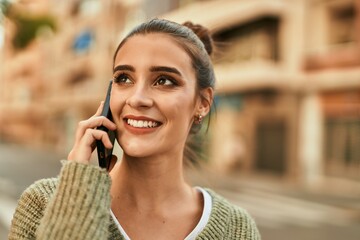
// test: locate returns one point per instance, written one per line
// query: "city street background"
(284, 137)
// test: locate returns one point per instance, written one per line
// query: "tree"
(27, 25)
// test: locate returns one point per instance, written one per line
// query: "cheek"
(182, 109)
(117, 102)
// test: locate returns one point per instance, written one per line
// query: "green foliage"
(27, 28)
(4, 6)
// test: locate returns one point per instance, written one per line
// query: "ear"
(205, 101)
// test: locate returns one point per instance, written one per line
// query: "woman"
(163, 87)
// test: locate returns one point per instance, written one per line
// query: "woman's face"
(153, 98)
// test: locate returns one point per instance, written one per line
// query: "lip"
(140, 131)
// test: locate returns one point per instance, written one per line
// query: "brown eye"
(165, 81)
(122, 79)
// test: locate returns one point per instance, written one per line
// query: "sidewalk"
(347, 200)
(20, 167)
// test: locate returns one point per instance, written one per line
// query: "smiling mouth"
(142, 123)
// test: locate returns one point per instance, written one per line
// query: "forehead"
(160, 48)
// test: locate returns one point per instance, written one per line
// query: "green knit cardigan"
(76, 205)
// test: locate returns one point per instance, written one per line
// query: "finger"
(93, 123)
(112, 162)
(82, 125)
(104, 121)
(91, 135)
(83, 149)
(99, 110)
(99, 121)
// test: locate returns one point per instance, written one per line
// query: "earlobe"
(206, 99)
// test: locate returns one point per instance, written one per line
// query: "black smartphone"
(104, 154)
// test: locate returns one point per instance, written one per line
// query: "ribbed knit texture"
(77, 206)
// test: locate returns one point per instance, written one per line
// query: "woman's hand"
(87, 134)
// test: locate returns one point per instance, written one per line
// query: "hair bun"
(203, 33)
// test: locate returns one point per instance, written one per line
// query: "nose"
(140, 97)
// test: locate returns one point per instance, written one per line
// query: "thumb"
(112, 162)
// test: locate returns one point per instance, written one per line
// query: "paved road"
(278, 216)
(279, 213)
(20, 167)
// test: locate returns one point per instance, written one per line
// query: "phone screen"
(104, 154)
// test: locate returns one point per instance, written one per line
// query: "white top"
(199, 227)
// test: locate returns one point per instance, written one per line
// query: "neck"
(149, 183)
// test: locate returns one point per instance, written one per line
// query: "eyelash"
(166, 78)
(120, 77)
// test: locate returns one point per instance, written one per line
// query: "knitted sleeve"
(228, 221)
(30, 209)
(243, 226)
(78, 209)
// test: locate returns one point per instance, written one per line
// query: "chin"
(136, 151)
(134, 154)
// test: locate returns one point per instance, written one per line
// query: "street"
(280, 212)
(20, 167)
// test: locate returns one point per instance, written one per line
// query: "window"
(233, 101)
(333, 36)
(342, 25)
(271, 145)
(342, 133)
(83, 42)
(253, 41)
(342, 146)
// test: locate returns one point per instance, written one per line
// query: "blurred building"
(288, 72)
(59, 77)
(51, 83)
(288, 87)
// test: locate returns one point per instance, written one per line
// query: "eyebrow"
(152, 69)
(165, 69)
(124, 68)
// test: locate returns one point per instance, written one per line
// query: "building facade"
(61, 75)
(288, 89)
(53, 82)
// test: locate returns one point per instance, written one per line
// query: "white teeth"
(141, 123)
